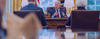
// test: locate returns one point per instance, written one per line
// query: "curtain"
(17, 5)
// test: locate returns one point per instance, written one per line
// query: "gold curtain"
(17, 5)
(75, 7)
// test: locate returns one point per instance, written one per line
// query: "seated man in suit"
(32, 6)
(57, 11)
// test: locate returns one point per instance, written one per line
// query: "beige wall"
(2, 4)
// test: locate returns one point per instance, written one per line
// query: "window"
(93, 4)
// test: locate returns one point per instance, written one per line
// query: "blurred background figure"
(57, 11)
(32, 6)
(81, 4)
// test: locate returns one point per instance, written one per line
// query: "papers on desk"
(68, 34)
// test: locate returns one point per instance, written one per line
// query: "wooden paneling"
(99, 25)
(53, 23)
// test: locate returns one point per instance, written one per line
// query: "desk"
(55, 22)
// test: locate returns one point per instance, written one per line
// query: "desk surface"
(54, 34)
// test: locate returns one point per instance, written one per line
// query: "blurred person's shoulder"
(39, 7)
(25, 7)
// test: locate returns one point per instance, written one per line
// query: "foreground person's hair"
(19, 28)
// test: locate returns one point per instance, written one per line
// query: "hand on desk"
(56, 14)
(63, 14)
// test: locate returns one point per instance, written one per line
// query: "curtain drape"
(17, 5)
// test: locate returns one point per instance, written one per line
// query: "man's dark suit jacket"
(34, 7)
(0, 18)
(81, 8)
(52, 10)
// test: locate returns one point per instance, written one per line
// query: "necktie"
(57, 13)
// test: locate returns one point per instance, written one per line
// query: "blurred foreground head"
(19, 28)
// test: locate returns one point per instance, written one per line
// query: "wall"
(2, 4)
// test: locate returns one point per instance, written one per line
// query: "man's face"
(57, 5)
